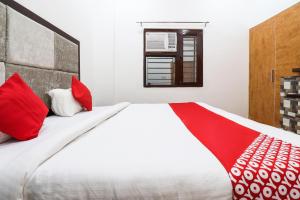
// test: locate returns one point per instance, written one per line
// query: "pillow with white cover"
(63, 102)
(4, 137)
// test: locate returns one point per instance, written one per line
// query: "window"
(173, 58)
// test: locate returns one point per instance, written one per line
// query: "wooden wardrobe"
(274, 52)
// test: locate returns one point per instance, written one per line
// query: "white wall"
(91, 22)
(112, 62)
(225, 48)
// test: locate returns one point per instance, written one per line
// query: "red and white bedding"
(259, 166)
(146, 152)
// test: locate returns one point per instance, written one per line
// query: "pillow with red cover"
(82, 94)
(22, 112)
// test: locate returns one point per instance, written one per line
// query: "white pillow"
(4, 137)
(63, 102)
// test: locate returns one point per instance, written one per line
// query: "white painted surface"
(226, 54)
(112, 46)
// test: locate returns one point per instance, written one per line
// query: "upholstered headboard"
(45, 56)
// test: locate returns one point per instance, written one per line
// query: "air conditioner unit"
(161, 41)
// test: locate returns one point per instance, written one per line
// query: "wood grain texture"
(262, 62)
(287, 29)
(282, 34)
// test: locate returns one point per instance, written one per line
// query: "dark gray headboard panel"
(45, 56)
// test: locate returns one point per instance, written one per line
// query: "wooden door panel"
(287, 29)
(262, 62)
(287, 35)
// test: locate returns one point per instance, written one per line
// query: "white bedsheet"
(143, 152)
(18, 160)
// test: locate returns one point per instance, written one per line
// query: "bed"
(119, 152)
(125, 151)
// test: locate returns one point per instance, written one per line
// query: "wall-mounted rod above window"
(172, 22)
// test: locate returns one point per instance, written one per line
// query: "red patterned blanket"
(259, 166)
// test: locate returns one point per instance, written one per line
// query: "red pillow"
(22, 112)
(82, 94)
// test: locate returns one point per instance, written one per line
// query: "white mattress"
(143, 152)
(19, 160)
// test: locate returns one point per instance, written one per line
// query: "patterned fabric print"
(268, 169)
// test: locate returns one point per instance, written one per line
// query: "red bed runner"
(259, 166)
